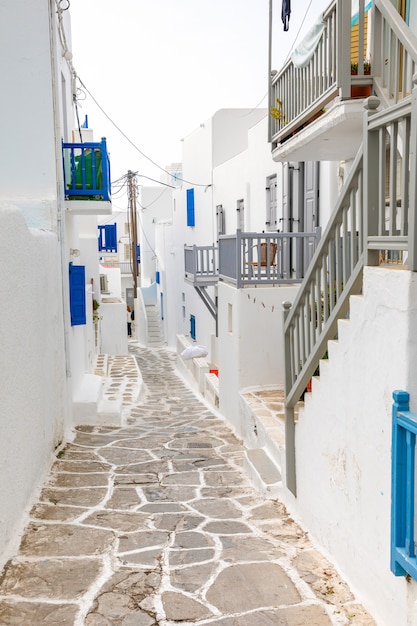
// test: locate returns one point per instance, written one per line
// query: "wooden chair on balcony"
(267, 254)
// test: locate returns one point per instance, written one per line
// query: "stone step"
(263, 472)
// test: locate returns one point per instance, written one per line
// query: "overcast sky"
(159, 68)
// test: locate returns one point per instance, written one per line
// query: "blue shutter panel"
(77, 294)
(107, 238)
(192, 326)
(190, 208)
(111, 237)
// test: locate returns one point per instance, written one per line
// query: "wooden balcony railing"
(265, 258)
(300, 94)
(200, 264)
(394, 53)
(86, 171)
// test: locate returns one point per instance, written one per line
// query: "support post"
(371, 192)
(412, 219)
(291, 481)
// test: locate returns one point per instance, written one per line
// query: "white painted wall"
(113, 327)
(34, 412)
(44, 359)
(155, 205)
(250, 347)
(343, 442)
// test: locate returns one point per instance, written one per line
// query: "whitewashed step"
(263, 472)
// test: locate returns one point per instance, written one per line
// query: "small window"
(190, 208)
(107, 238)
(192, 327)
(127, 251)
(77, 294)
(221, 220)
(240, 211)
(271, 203)
(229, 318)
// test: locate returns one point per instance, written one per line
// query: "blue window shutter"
(190, 208)
(192, 326)
(111, 237)
(77, 294)
(101, 239)
(138, 253)
(157, 278)
(107, 238)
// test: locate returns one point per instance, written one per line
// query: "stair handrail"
(335, 273)
(394, 49)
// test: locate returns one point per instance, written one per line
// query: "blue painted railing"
(404, 430)
(86, 171)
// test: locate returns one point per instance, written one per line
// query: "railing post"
(412, 218)
(344, 12)
(238, 258)
(291, 481)
(371, 199)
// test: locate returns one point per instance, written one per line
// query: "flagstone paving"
(155, 524)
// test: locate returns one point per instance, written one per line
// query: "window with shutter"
(271, 203)
(77, 294)
(221, 220)
(107, 238)
(190, 208)
(192, 327)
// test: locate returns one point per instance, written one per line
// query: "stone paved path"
(154, 523)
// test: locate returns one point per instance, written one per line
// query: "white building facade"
(45, 355)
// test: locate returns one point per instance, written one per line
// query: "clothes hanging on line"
(285, 13)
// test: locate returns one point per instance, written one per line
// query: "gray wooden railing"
(374, 219)
(265, 258)
(125, 267)
(301, 93)
(201, 264)
(394, 53)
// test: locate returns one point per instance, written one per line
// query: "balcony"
(200, 264)
(87, 178)
(315, 112)
(248, 259)
(125, 267)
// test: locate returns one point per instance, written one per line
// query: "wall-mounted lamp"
(74, 252)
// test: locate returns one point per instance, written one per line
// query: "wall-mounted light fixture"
(74, 252)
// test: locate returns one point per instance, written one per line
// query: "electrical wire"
(176, 177)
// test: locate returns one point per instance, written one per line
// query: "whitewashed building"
(49, 273)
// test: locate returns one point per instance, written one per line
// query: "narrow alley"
(155, 523)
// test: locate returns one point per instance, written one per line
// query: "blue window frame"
(192, 327)
(77, 294)
(107, 238)
(404, 431)
(190, 208)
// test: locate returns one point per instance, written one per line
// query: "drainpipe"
(269, 71)
(60, 226)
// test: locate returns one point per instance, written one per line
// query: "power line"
(176, 177)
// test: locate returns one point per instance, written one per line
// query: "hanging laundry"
(285, 13)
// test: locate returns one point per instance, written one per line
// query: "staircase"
(155, 335)
(373, 222)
